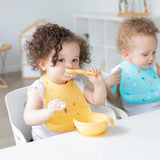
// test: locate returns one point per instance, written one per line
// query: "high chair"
(15, 102)
(111, 109)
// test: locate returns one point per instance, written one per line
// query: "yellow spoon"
(80, 71)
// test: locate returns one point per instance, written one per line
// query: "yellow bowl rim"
(90, 114)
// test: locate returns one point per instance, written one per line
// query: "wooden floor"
(15, 81)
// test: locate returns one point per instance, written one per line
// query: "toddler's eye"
(145, 55)
(75, 60)
(61, 60)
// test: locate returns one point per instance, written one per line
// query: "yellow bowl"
(92, 124)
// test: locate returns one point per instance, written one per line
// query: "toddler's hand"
(158, 69)
(56, 105)
(95, 79)
(113, 79)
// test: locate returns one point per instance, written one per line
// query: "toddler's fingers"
(55, 108)
(118, 76)
(57, 103)
(116, 72)
(98, 71)
(92, 69)
(53, 105)
(157, 65)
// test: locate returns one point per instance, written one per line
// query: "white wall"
(155, 7)
(83, 6)
(89, 6)
(16, 15)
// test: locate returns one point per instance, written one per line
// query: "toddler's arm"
(97, 96)
(34, 114)
(112, 80)
(158, 69)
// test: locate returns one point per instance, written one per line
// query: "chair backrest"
(15, 102)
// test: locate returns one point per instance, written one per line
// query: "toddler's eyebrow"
(146, 52)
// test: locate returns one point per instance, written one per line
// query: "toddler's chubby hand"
(95, 79)
(56, 104)
(113, 79)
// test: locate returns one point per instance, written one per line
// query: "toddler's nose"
(152, 57)
(68, 65)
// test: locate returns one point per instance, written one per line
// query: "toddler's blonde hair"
(131, 27)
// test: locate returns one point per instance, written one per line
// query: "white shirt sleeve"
(40, 86)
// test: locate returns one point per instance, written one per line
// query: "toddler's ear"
(42, 64)
(125, 54)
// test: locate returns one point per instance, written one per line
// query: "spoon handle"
(80, 71)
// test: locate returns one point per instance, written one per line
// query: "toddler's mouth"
(149, 64)
(68, 74)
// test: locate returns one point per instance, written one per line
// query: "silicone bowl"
(92, 124)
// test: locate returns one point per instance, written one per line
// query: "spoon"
(80, 71)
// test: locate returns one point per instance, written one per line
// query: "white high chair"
(15, 102)
(111, 110)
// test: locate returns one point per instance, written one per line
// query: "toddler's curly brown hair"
(51, 37)
(134, 26)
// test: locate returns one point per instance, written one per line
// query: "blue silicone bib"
(138, 85)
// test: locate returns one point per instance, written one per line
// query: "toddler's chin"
(146, 67)
(67, 78)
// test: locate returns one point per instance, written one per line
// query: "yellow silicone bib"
(76, 104)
